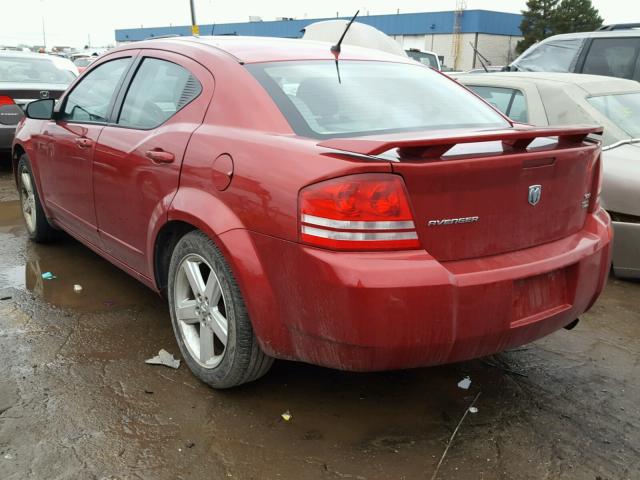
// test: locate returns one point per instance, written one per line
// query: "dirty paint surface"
(77, 400)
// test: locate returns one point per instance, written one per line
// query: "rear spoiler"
(432, 145)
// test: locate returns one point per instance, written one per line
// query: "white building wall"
(498, 49)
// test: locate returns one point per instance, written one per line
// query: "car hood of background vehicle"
(621, 179)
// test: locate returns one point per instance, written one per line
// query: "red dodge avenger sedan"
(362, 212)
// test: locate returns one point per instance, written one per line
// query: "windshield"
(550, 56)
(34, 70)
(622, 109)
(370, 98)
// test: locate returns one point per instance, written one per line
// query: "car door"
(139, 154)
(69, 144)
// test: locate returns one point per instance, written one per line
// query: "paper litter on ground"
(465, 383)
(164, 358)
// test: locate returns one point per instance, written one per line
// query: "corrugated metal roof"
(473, 21)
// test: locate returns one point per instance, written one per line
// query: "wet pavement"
(77, 400)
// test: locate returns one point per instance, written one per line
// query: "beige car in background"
(544, 98)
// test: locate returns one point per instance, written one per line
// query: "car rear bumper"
(391, 310)
(7, 132)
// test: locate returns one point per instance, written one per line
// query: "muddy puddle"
(77, 400)
(52, 271)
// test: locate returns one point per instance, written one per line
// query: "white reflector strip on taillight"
(358, 236)
(357, 225)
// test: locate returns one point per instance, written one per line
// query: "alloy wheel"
(201, 311)
(28, 199)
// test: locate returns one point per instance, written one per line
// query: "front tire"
(209, 316)
(38, 227)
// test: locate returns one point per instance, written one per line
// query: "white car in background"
(540, 98)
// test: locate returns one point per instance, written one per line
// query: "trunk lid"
(495, 191)
(22, 94)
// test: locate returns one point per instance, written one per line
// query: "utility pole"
(195, 30)
(461, 6)
(44, 35)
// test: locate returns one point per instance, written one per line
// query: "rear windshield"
(622, 109)
(82, 62)
(427, 59)
(370, 98)
(34, 70)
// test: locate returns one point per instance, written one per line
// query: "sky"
(77, 22)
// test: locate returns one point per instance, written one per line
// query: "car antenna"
(335, 49)
(480, 57)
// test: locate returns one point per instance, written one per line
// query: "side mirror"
(41, 109)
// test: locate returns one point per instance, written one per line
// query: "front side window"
(622, 109)
(613, 57)
(36, 70)
(159, 89)
(551, 56)
(90, 99)
(369, 98)
(509, 101)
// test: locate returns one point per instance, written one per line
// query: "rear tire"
(38, 227)
(209, 316)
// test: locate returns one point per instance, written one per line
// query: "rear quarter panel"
(270, 163)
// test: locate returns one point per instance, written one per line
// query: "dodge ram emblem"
(535, 192)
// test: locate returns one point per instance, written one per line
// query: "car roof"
(598, 34)
(249, 49)
(593, 84)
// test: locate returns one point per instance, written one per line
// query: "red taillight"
(4, 100)
(358, 212)
(596, 186)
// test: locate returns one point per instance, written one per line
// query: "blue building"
(494, 34)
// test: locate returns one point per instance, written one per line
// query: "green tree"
(576, 16)
(537, 22)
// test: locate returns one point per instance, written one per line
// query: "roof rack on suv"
(618, 26)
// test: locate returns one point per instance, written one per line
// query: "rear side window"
(613, 57)
(509, 101)
(518, 111)
(622, 109)
(158, 90)
(90, 100)
(369, 97)
(551, 56)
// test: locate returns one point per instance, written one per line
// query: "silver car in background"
(25, 77)
(612, 51)
(541, 98)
